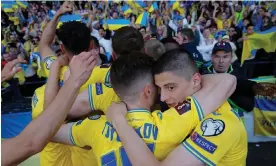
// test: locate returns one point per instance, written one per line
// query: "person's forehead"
(222, 53)
(166, 78)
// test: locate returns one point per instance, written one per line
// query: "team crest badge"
(48, 62)
(212, 127)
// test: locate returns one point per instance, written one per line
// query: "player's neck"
(131, 106)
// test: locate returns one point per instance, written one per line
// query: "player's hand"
(10, 70)
(116, 112)
(65, 8)
(81, 67)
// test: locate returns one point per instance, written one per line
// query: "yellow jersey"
(220, 139)
(161, 131)
(59, 154)
(220, 23)
(101, 96)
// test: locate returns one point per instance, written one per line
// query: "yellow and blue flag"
(114, 24)
(142, 19)
(22, 3)
(8, 8)
(265, 116)
(258, 40)
(140, 4)
(126, 9)
(153, 7)
(68, 18)
(15, 20)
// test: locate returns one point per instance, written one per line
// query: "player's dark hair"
(170, 43)
(177, 61)
(75, 36)
(249, 25)
(188, 33)
(129, 72)
(126, 40)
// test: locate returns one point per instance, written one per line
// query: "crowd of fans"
(203, 24)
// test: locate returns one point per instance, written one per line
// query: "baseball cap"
(222, 46)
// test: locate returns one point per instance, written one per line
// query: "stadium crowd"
(103, 62)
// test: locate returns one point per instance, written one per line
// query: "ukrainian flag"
(8, 8)
(140, 4)
(68, 18)
(176, 6)
(114, 24)
(126, 9)
(265, 116)
(142, 19)
(22, 3)
(15, 20)
(258, 40)
(153, 7)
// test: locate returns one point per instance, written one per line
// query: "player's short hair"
(130, 73)
(75, 36)
(177, 61)
(169, 43)
(126, 40)
(189, 33)
(154, 48)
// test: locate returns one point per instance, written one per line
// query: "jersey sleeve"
(101, 96)
(84, 132)
(183, 118)
(212, 138)
(46, 63)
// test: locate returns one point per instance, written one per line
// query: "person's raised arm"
(37, 134)
(49, 32)
(52, 85)
(215, 12)
(216, 89)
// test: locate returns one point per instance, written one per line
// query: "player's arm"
(37, 134)
(52, 86)
(49, 32)
(81, 106)
(216, 89)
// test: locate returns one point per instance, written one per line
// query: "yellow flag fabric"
(265, 116)
(258, 40)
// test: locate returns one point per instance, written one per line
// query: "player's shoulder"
(92, 121)
(216, 123)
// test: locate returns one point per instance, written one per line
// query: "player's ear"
(196, 80)
(62, 48)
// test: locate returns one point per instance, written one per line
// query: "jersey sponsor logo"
(94, 117)
(203, 143)
(183, 107)
(48, 62)
(211, 127)
(34, 100)
(106, 65)
(99, 88)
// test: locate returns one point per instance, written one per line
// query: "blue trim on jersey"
(138, 110)
(71, 136)
(199, 109)
(197, 154)
(90, 94)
